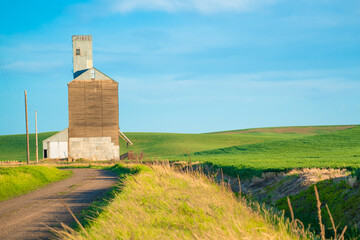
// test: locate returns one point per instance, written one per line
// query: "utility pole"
(27, 131)
(36, 137)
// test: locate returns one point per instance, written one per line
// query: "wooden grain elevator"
(93, 131)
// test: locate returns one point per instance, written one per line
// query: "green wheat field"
(240, 152)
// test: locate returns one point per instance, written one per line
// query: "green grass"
(168, 145)
(171, 144)
(250, 152)
(15, 181)
(13, 147)
(159, 203)
(246, 152)
(342, 199)
(339, 149)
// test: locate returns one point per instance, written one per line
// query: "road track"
(30, 216)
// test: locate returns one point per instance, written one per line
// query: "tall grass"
(15, 181)
(336, 196)
(160, 203)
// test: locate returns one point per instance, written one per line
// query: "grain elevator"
(93, 131)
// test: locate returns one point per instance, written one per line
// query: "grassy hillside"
(159, 203)
(174, 145)
(15, 181)
(170, 144)
(13, 147)
(337, 149)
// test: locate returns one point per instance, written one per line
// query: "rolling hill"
(229, 148)
(340, 149)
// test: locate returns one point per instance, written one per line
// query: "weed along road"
(30, 216)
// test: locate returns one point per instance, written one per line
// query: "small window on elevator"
(77, 52)
(92, 74)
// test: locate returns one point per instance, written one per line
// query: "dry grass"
(322, 227)
(160, 203)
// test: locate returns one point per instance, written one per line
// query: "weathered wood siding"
(94, 109)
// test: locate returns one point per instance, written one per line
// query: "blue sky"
(186, 66)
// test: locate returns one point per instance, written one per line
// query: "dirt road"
(27, 216)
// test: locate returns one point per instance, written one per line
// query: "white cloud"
(202, 6)
(278, 87)
(33, 66)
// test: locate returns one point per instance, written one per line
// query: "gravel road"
(28, 216)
